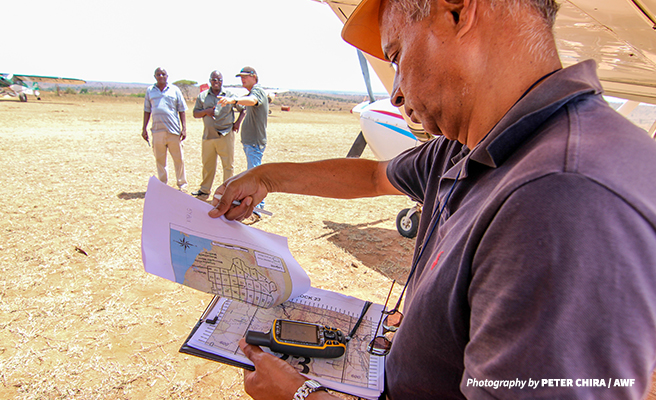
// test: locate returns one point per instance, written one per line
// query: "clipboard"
(214, 338)
(187, 349)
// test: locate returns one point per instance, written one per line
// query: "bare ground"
(79, 318)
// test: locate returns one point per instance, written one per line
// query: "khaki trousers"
(223, 147)
(161, 142)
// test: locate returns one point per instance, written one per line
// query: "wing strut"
(360, 142)
(365, 73)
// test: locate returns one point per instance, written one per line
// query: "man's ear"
(463, 14)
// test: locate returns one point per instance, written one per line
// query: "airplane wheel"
(407, 226)
(22, 97)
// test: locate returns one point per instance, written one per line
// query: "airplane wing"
(49, 79)
(241, 91)
(619, 34)
(21, 85)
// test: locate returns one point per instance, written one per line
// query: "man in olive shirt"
(218, 133)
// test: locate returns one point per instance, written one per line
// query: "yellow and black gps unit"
(301, 339)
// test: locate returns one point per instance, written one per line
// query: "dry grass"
(79, 319)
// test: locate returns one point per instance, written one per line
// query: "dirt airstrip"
(79, 318)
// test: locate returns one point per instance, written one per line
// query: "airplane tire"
(22, 97)
(407, 227)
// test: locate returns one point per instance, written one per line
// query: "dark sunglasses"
(391, 320)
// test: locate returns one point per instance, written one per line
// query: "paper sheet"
(181, 243)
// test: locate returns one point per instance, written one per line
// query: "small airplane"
(239, 90)
(21, 85)
(618, 34)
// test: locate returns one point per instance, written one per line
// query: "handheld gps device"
(301, 339)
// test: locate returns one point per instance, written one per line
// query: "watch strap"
(309, 386)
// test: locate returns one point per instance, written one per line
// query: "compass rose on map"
(185, 244)
(229, 270)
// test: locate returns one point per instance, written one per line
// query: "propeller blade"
(358, 147)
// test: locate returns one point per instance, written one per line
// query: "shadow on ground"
(131, 196)
(383, 250)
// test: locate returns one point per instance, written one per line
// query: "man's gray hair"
(417, 10)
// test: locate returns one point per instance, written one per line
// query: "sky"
(293, 44)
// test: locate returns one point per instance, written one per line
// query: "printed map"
(356, 367)
(229, 270)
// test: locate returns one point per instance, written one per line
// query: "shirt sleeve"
(147, 101)
(260, 95)
(562, 286)
(182, 103)
(411, 171)
(199, 106)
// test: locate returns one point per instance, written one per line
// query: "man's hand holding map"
(181, 243)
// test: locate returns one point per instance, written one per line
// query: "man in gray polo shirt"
(167, 106)
(536, 252)
(218, 133)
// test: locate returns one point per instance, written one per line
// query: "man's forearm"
(183, 120)
(146, 118)
(240, 118)
(344, 178)
(247, 100)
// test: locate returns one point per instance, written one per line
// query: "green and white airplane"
(21, 85)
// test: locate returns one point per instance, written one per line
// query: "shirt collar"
(525, 117)
(221, 92)
(165, 87)
(257, 85)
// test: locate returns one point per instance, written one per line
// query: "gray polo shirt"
(253, 129)
(164, 107)
(224, 117)
(544, 264)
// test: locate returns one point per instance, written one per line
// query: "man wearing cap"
(253, 130)
(167, 106)
(534, 260)
(218, 133)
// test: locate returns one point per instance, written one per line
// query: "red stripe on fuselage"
(391, 114)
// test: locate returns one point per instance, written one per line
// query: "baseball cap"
(361, 29)
(246, 71)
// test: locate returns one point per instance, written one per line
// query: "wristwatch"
(309, 386)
